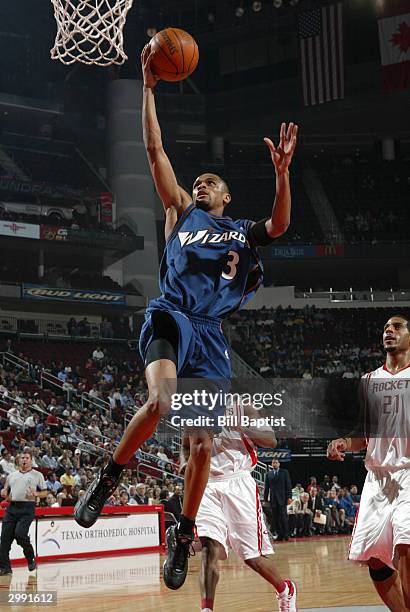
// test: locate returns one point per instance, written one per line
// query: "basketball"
(176, 54)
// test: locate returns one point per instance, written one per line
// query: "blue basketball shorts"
(203, 357)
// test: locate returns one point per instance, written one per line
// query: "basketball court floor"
(326, 582)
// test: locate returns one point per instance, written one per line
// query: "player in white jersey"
(230, 515)
(381, 536)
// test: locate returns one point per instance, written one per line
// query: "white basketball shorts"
(231, 513)
(383, 519)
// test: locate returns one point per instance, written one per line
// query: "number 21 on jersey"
(391, 404)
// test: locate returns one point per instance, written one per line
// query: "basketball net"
(90, 31)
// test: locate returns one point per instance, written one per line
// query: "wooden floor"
(324, 577)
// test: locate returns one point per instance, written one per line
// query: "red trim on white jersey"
(368, 376)
(353, 530)
(258, 519)
(248, 444)
(393, 373)
(250, 448)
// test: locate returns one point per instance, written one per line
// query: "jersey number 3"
(231, 264)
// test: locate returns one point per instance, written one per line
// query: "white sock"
(206, 610)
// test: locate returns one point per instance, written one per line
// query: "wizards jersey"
(208, 266)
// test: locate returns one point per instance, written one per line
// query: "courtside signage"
(60, 536)
(41, 293)
(63, 536)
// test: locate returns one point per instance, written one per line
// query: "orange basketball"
(176, 54)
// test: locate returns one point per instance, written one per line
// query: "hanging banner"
(48, 232)
(330, 250)
(106, 207)
(394, 28)
(19, 229)
(15, 185)
(290, 251)
(41, 293)
(266, 455)
(299, 251)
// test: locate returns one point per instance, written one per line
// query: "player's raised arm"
(162, 172)
(281, 158)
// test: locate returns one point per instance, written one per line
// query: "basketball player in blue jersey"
(209, 269)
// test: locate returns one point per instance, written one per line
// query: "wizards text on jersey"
(209, 266)
(207, 236)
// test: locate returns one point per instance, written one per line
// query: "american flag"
(320, 32)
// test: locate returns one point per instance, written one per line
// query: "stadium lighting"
(257, 6)
(151, 32)
(293, 2)
(211, 17)
(239, 11)
(277, 3)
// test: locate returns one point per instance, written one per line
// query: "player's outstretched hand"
(282, 154)
(150, 80)
(337, 449)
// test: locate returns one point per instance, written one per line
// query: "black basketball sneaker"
(88, 508)
(179, 549)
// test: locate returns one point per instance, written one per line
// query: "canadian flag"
(394, 39)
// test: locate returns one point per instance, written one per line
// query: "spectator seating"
(310, 342)
(368, 195)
